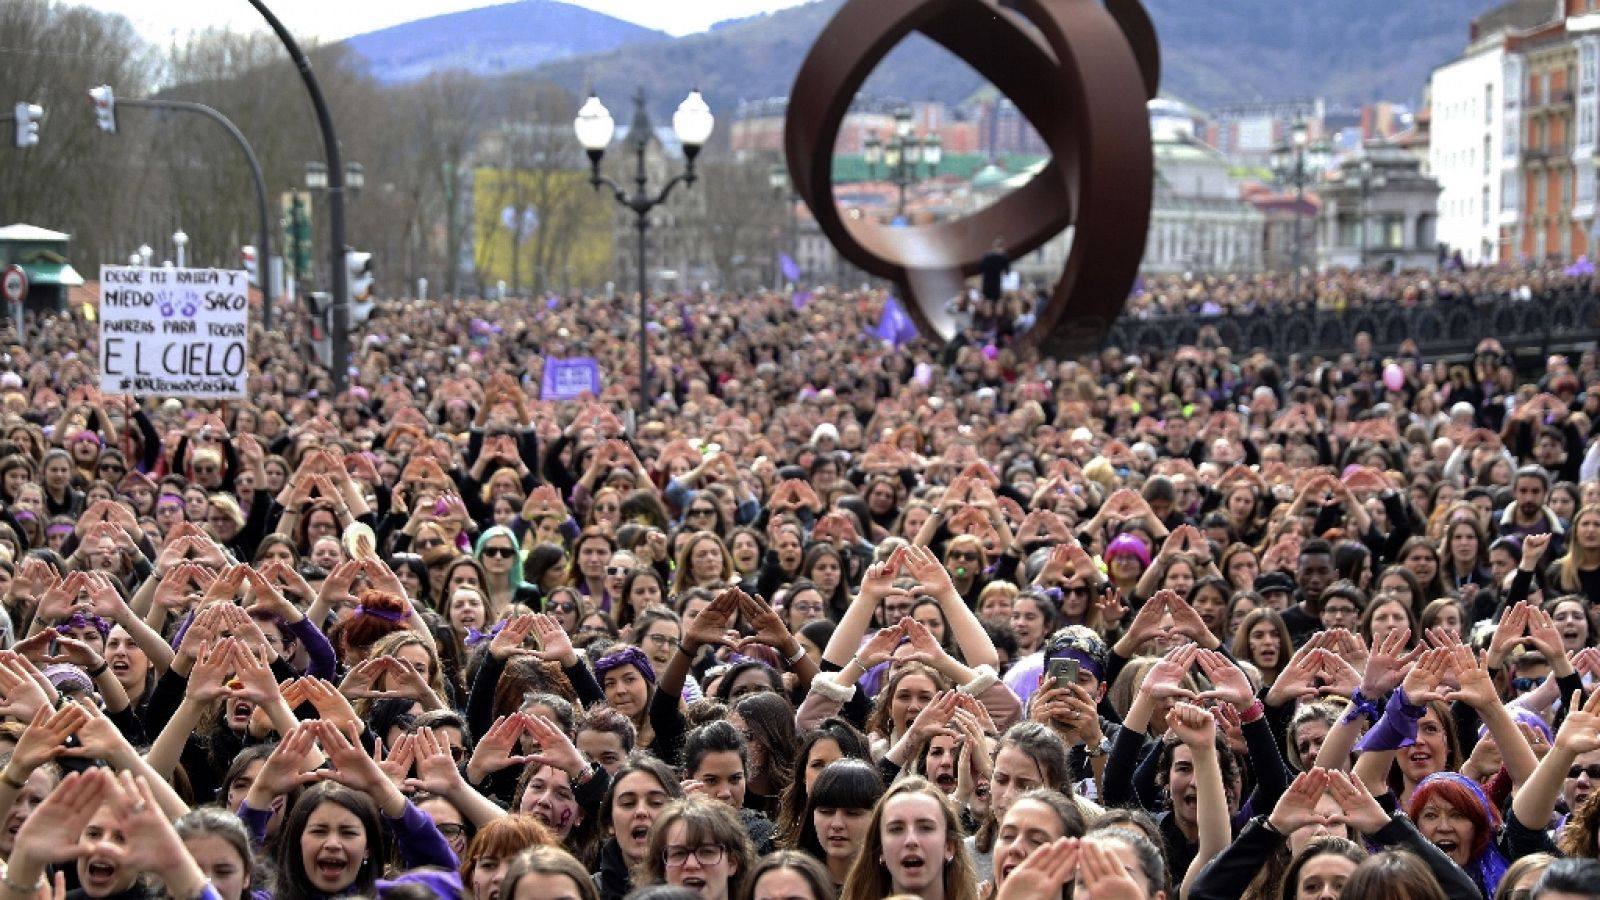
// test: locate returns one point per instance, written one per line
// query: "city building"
(1379, 209)
(1466, 124)
(1514, 149)
(1249, 132)
(1199, 219)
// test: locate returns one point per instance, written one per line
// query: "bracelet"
(15, 888)
(798, 655)
(11, 780)
(1253, 712)
(101, 670)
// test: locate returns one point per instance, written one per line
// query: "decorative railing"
(1558, 319)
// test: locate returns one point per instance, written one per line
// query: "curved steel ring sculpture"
(1081, 71)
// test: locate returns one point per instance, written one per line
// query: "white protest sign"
(173, 332)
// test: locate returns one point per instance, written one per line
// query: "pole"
(264, 222)
(330, 144)
(1299, 206)
(644, 331)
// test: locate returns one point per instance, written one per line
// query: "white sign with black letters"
(174, 332)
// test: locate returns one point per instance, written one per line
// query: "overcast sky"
(342, 18)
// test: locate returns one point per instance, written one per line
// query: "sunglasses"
(962, 556)
(1079, 591)
(562, 607)
(501, 552)
(697, 513)
(429, 543)
(616, 571)
(1592, 770)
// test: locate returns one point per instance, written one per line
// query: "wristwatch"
(1100, 749)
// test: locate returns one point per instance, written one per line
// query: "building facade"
(1467, 127)
(1379, 210)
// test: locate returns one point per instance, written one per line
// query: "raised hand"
(1474, 686)
(45, 739)
(361, 683)
(1193, 725)
(436, 769)
(1228, 681)
(1580, 732)
(1165, 678)
(1387, 662)
(880, 646)
(1358, 807)
(512, 637)
(288, 767)
(498, 747)
(555, 749)
(554, 642)
(1297, 808)
(1425, 682)
(714, 624)
(1044, 873)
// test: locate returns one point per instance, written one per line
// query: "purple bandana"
(627, 656)
(388, 614)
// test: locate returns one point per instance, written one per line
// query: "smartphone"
(1063, 671)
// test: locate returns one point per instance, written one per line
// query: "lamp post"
(1371, 180)
(181, 242)
(146, 253)
(903, 155)
(692, 123)
(1299, 163)
(778, 180)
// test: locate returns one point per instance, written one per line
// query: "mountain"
(495, 40)
(1214, 52)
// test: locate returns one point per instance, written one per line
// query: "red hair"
(1485, 818)
(379, 613)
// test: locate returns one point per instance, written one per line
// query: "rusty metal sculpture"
(1081, 71)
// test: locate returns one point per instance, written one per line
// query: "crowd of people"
(804, 615)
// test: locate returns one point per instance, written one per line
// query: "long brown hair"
(869, 876)
(1573, 562)
(878, 721)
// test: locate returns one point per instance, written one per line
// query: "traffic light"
(247, 255)
(105, 108)
(27, 120)
(358, 266)
(320, 305)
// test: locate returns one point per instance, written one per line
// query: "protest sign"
(173, 332)
(567, 379)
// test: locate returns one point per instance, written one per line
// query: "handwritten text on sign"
(173, 332)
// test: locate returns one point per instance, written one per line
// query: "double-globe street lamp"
(692, 124)
(903, 155)
(1299, 163)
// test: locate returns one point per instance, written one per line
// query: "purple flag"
(800, 299)
(895, 326)
(791, 269)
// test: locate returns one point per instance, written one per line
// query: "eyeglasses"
(1592, 770)
(616, 571)
(502, 552)
(1338, 610)
(662, 640)
(807, 607)
(429, 543)
(705, 855)
(451, 831)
